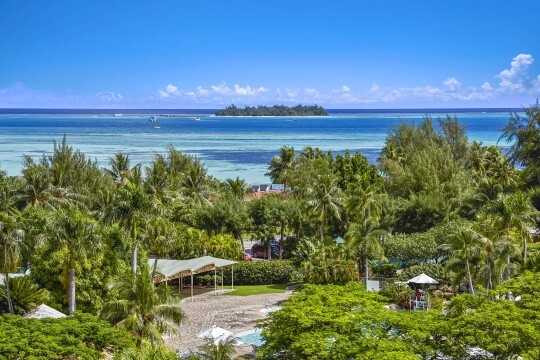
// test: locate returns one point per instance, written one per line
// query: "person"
(418, 294)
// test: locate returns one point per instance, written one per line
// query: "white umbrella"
(44, 311)
(215, 333)
(423, 279)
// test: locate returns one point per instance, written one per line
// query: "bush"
(261, 273)
(76, 337)
(384, 270)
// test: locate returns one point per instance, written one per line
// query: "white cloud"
(171, 91)
(345, 89)
(311, 92)
(516, 79)
(109, 96)
(248, 91)
(452, 83)
(375, 88)
(486, 86)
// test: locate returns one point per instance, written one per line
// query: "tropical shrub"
(261, 273)
(24, 294)
(82, 336)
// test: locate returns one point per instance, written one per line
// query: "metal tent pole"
(232, 277)
(191, 286)
(215, 281)
(222, 280)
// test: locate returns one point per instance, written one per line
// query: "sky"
(209, 53)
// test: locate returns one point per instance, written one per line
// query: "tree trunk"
(269, 251)
(471, 287)
(524, 250)
(134, 259)
(321, 230)
(366, 265)
(281, 231)
(71, 291)
(8, 295)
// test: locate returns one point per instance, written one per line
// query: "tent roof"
(339, 240)
(11, 276)
(44, 311)
(423, 279)
(173, 269)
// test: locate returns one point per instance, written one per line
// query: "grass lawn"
(246, 290)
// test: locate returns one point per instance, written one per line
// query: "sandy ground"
(234, 313)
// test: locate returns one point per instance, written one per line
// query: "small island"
(276, 110)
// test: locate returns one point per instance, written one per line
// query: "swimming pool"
(251, 337)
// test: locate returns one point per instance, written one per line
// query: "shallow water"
(228, 146)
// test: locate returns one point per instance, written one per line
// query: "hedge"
(262, 273)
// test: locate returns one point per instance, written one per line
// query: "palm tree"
(142, 309)
(130, 208)
(237, 188)
(11, 244)
(223, 349)
(281, 165)
(120, 167)
(365, 243)
(160, 238)
(77, 235)
(515, 215)
(466, 246)
(325, 197)
(194, 184)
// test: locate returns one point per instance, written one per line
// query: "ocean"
(229, 147)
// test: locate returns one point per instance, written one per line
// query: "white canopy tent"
(423, 279)
(168, 269)
(43, 311)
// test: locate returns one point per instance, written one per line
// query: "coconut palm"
(281, 165)
(160, 237)
(237, 188)
(224, 349)
(364, 239)
(194, 184)
(120, 167)
(515, 215)
(142, 309)
(465, 245)
(325, 198)
(11, 244)
(76, 234)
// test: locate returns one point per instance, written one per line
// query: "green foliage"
(222, 350)
(425, 172)
(276, 110)
(143, 309)
(384, 270)
(82, 337)
(148, 351)
(410, 248)
(261, 273)
(25, 295)
(524, 134)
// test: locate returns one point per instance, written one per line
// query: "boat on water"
(194, 118)
(153, 120)
(118, 115)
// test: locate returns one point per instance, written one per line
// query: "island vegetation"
(464, 213)
(276, 110)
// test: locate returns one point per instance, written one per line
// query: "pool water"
(252, 337)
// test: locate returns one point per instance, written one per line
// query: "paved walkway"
(234, 313)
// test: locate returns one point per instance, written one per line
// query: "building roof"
(169, 269)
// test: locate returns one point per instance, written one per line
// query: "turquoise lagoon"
(229, 147)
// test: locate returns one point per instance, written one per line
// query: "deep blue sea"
(228, 146)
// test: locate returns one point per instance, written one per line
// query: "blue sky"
(207, 54)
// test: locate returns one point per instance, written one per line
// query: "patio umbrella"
(44, 311)
(215, 333)
(423, 279)
(339, 240)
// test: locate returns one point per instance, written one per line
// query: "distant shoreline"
(189, 112)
